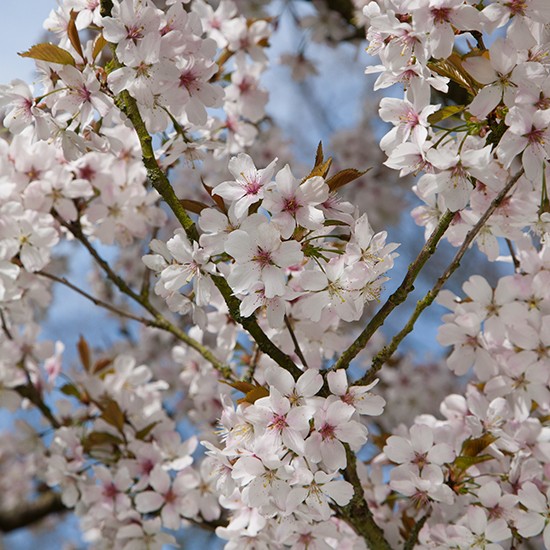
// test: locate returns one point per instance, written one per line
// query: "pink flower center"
(86, 172)
(348, 398)
(536, 135)
(263, 257)
(146, 466)
(170, 496)
(410, 118)
(252, 187)
(85, 94)
(496, 512)
(517, 7)
(327, 431)
(291, 205)
(305, 539)
(188, 80)
(279, 422)
(420, 459)
(134, 33)
(543, 102)
(441, 15)
(33, 173)
(110, 491)
(245, 86)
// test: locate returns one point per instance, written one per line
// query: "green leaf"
(71, 389)
(50, 53)
(465, 462)
(144, 432)
(444, 113)
(344, 177)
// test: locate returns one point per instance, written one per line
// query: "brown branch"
(28, 513)
(412, 540)
(129, 106)
(428, 299)
(399, 296)
(357, 513)
(158, 321)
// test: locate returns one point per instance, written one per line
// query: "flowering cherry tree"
(250, 289)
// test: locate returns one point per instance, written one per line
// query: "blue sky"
(22, 26)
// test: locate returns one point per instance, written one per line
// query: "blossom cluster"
(165, 60)
(287, 258)
(279, 465)
(466, 150)
(482, 471)
(263, 281)
(118, 458)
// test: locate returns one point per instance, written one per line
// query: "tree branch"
(357, 513)
(158, 321)
(161, 183)
(411, 542)
(399, 296)
(29, 513)
(428, 299)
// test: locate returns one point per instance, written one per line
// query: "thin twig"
(93, 299)
(295, 341)
(158, 321)
(411, 542)
(399, 296)
(513, 255)
(428, 299)
(161, 183)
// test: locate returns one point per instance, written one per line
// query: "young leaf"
(319, 155)
(144, 432)
(216, 198)
(240, 385)
(50, 53)
(344, 177)
(99, 44)
(465, 462)
(446, 112)
(84, 353)
(112, 413)
(95, 439)
(256, 393)
(101, 364)
(72, 33)
(320, 170)
(474, 445)
(452, 68)
(70, 389)
(193, 206)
